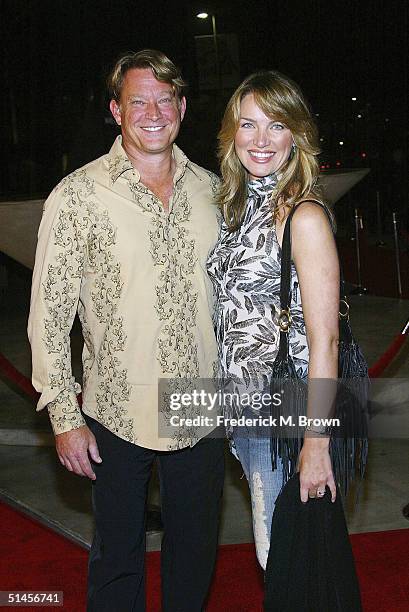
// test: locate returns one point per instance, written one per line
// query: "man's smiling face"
(148, 112)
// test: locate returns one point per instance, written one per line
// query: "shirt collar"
(259, 191)
(119, 162)
(262, 186)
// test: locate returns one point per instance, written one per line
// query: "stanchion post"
(379, 242)
(359, 290)
(358, 226)
(397, 259)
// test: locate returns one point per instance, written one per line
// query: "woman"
(268, 152)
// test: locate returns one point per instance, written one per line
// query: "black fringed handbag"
(310, 565)
(348, 444)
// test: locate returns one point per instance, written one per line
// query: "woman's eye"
(278, 126)
(247, 124)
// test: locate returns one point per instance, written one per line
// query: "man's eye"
(167, 100)
(137, 102)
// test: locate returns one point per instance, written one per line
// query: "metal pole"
(379, 220)
(359, 290)
(216, 51)
(395, 233)
(358, 226)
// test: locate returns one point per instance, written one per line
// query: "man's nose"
(153, 111)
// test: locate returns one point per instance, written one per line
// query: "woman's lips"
(261, 157)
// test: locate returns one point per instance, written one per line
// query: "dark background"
(56, 54)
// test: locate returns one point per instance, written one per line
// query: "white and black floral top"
(245, 269)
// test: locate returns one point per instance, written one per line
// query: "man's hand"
(73, 448)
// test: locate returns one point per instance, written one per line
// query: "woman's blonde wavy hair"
(282, 100)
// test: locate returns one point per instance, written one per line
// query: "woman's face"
(262, 144)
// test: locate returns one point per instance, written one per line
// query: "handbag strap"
(284, 318)
(286, 255)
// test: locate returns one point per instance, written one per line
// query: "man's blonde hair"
(162, 67)
(282, 100)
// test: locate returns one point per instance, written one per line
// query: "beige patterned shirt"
(137, 277)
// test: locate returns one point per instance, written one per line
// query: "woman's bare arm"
(316, 260)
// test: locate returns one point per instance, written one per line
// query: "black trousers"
(191, 483)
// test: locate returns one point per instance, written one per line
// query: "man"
(123, 241)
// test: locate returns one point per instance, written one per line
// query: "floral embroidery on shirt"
(88, 356)
(117, 165)
(60, 282)
(145, 198)
(214, 182)
(114, 388)
(64, 410)
(85, 236)
(176, 301)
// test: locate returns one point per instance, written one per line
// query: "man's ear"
(115, 110)
(182, 108)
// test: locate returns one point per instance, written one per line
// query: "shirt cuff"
(65, 413)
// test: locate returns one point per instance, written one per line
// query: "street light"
(204, 15)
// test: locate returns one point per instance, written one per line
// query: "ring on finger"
(320, 493)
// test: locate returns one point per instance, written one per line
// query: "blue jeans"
(265, 485)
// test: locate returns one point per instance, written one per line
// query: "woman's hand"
(315, 469)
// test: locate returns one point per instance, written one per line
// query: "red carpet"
(33, 557)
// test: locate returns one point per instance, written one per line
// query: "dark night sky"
(56, 52)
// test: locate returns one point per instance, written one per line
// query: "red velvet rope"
(17, 378)
(22, 382)
(375, 371)
(388, 356)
